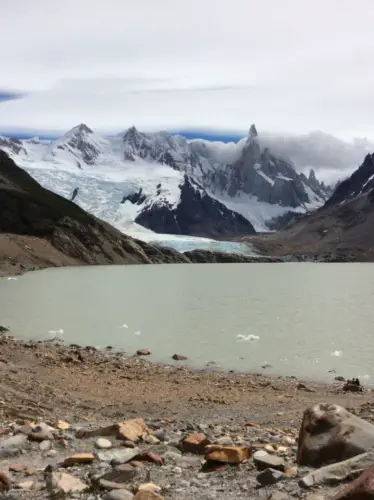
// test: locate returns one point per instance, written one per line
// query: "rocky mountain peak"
(361, 181)
(82, 143)
(252, 131)
(80, 129)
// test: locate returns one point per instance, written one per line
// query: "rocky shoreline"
(197, 435)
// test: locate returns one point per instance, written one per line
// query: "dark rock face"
(284, 220)
(13, 144)
(361, 181)
(197, 214)
(259, 173)
(205, 256)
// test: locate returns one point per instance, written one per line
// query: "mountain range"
(341, 230)
(168, 184)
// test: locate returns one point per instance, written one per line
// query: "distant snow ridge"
(171, 185)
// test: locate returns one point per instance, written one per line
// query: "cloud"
(288, 66)
(6, 95)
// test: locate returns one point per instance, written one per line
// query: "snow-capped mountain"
(169, 184)
(341, 230)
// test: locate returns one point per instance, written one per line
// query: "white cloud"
(289, 66)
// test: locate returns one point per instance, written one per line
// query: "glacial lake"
(303, 319)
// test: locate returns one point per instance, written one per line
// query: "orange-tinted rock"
(79, 458)
(4, 482)
(361, 488)
(148, 495)
(227, 454)
(195, 443)
(17, 467)
(136, 464)
(149, 456)
(131, 430)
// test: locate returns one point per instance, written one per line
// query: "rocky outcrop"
(331, 433)
(205, 256)
(196, 214)
(259, 173)
(361, 181)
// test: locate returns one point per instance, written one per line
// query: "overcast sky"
(287, 65)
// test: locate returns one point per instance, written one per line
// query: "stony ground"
(42, 384)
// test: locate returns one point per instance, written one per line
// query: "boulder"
(336, 473)
(330, 433)
(361, 488)
(227, 454)
(195, 443)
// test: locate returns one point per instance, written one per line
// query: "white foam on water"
(336, 353)
(249, 337)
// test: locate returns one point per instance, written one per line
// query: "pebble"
(45, 445)
(66, 483)
(51, 453)
(12, 446)
(79, 458)
(264, 461)
(151, 439)
(120, 454)
(160, 435)
(118, 495)
(25, 485)
(269, 477)
(103, 444)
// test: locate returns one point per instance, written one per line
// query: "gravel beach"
(45, 383)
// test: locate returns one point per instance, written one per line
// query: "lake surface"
(309, 318)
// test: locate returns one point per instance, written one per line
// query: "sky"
(290, 66)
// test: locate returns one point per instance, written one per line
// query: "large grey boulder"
(330, 433)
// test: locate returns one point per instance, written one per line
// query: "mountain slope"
(341, 230)
(105, 176)
(196, 214)
(41, 229)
